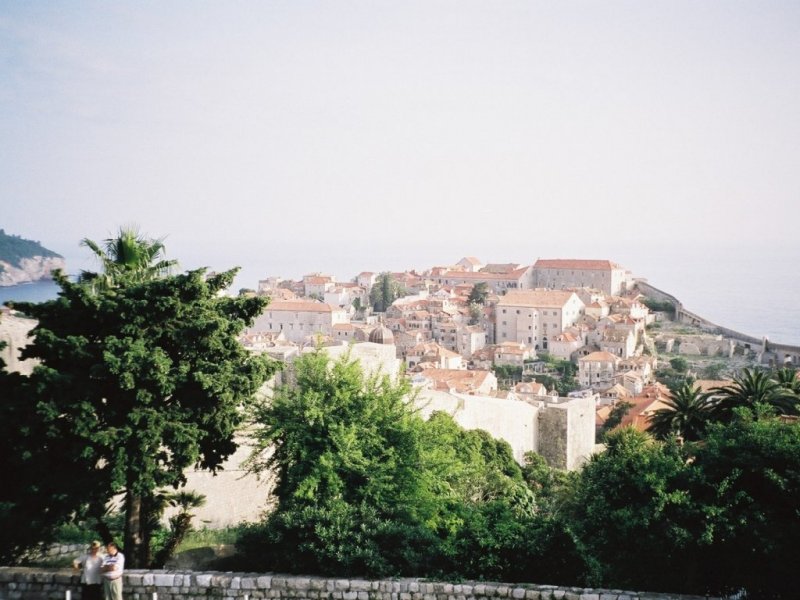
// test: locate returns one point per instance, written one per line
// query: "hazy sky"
(404, 122)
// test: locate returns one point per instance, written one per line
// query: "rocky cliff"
(14, 332)
(29, 269)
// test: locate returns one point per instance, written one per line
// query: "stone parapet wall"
(18, 583)
(70, 551)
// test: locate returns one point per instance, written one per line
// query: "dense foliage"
(479, 293)
(385, 291)
(659, 305)
(365, 487)
(14, 248)
(137, 383)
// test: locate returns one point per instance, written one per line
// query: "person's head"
(111, 548)
(95, 547)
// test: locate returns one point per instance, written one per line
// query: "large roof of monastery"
(299, 306)
(575, 263)
(536, 298)
(482, 276)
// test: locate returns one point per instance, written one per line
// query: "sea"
(754, 289)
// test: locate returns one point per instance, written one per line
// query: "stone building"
(533, 317)
(559, 274)
(300, 320)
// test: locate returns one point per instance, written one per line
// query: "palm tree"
(688, 413)
(180, 524)
(749, 388)
(128, 258)
(787, 379)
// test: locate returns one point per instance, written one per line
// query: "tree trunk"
(134, 540)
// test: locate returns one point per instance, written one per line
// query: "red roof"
(573, 263)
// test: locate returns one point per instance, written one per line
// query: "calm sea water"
(754, 290)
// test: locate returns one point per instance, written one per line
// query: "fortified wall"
(768, 352)
(43, 584)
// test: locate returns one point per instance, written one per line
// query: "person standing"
(113, 567)
(91, 577)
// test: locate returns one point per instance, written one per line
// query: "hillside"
(24, 261)
(13, 249)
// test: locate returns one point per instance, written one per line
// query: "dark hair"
(112, 544)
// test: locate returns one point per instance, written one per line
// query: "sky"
(471, 127)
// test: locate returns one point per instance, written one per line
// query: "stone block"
(248, 583)
(342, 584)
(360, 585)
(147, 579)
(590, 596)
(518, 593)
(362, 595)
(203, 580)
(298, 583)
(413, 586)
(349, 595)
(317, 584)
(163, 580)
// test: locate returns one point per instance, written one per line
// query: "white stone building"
(533, 317)
(299, 320)
(597, 370)
(560, 274)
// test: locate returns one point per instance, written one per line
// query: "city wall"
(770, 353)
(18, 583)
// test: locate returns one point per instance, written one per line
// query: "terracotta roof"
(536, 298)
(317, 280)
(599, 356)
(500, 267)
(479, 276)
(299, 306)
(571, 263)
(565, 337)
(457, 379)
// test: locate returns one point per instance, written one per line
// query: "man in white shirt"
(91, 577)
(113, 567)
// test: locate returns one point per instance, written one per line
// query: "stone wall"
(41, 584)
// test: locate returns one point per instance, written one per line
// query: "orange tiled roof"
(572, 263)
(299, 306)
(536, 298)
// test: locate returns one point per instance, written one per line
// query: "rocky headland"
(34, 268)
(26, 261)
